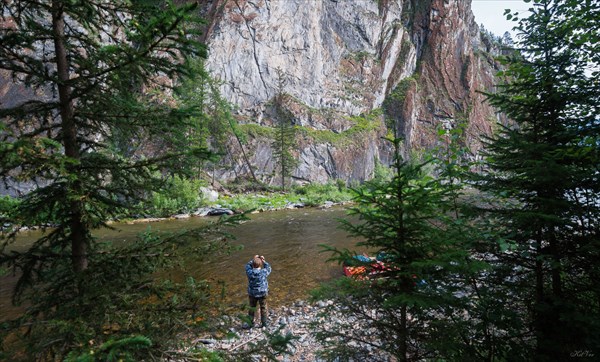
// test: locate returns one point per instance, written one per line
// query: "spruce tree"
(407, 222)
(285, 134)
(214, 124)
(94, 71)
(543, 172)
(472, 322)
(96, 130)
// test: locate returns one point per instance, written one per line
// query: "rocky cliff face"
(455, 66)
(341, 61)
(352, 71)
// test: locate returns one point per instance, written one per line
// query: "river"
(288, 239)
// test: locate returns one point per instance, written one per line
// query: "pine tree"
(285, 134)
(544, 166)
(95, 132)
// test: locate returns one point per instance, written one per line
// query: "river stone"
(207, 341)
(294, 205)
(203, 211)
(208, 194)
(327, 205)
(219, 211)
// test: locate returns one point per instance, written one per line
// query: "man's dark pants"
(262, 302)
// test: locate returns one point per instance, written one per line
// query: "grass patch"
(364, 123)
(255, 130)
(309, 195)
(317, 194)
(261, 202)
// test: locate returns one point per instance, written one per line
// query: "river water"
(288, 239)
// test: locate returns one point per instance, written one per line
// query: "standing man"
(257, 271)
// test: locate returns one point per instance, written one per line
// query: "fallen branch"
(241, 344)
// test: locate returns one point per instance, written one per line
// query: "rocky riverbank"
(294, 319)
(218, 211)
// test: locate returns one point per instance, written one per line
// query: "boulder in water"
(220, 211)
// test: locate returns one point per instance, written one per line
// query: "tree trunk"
(540, 323)
(243, 152)
(283, 156)
(69, 135)
(403, 336)
(556, 267)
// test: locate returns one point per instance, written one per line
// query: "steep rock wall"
(341, 59)
(324, 48)
(455, 67)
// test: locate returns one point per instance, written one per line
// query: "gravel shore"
(294, 319)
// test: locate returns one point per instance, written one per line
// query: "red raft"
(366, 267)
(357, 267)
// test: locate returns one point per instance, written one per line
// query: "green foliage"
(317, 194)
(84, 151)
(97, 129)
(324, 136)
(284, 141)
(382, 173)
(403, 219)
(309, 195)
(436, 268)
(394, 103)
(123, 349)
(256, 130)
(398, 94)
(7, 206)
(119, 296)
(212, 124)
(452, 156)
(479, 282)
(489, 38)
(241, 186)
(544, 174)
(361, 56)
(365, 123)
(259, 202)
(178, 195)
